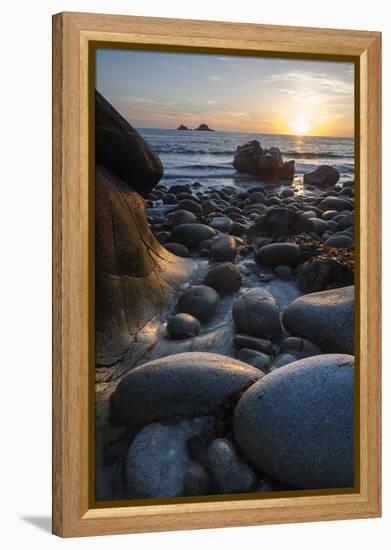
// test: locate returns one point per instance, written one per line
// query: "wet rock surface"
(307, 441)
(256, 313)
(264, 163)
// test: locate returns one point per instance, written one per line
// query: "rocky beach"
(224, 312)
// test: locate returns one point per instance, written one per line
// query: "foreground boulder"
(326, 318)
(184, 384)
(297, 423)
(120, 149)
(266, 164)
(323, 176)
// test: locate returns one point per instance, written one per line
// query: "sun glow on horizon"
(300, 126)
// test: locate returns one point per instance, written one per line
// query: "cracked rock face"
(135, 276)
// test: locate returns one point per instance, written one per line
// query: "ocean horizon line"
(242, 132)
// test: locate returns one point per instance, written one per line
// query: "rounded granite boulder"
(297, 423)
(157, 463)
(224, 248)
(191, 206)
(325, 318)
(339, 241)
(184, 384)
(200, 301)
(183, 325)
(256, 313)
(177, 249)
(191, 234)
(180, 217)
(224, 277)
(276, 254)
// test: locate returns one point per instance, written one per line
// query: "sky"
(229, 93)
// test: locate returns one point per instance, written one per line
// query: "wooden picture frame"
(73, 34)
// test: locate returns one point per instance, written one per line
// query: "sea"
(206, 157)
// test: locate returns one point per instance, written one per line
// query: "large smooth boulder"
(323, 176)
(120, 149)
(191, 234)
(297, 423)
(326, 318)
(255, 312)
(263, 163)
(276, 254)
(184, 384)
(201, 301)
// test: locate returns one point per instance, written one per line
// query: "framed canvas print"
(216, 230)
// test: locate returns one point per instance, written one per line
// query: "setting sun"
(300, 125)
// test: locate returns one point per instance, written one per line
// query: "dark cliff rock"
(266, 164)
(135, 276)
(120, 149)
(182, 127)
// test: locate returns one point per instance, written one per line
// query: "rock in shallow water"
(264, 163)
(326, 318)
(224, 248)
(200, 301)
(184, 384)
(297, 423)
(224, 277)
(256, 313)
(191, 234)
(183, 325)
(323, 176)
(276, 254)
(177, 249)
